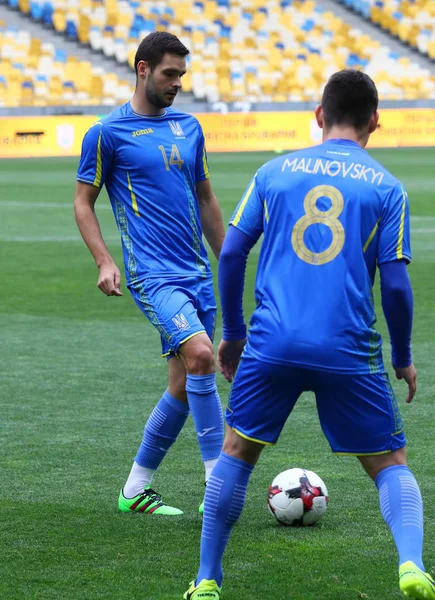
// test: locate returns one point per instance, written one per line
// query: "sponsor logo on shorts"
(180, 322)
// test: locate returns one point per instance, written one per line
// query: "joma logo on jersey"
(176, 129)
(142, 132)
(180, 322)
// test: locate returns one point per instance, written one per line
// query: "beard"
(156, 98)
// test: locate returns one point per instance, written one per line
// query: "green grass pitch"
(79, 373)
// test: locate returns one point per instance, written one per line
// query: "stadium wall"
(225, 130)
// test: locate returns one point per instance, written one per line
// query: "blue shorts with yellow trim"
(178, 309)
(358, 413)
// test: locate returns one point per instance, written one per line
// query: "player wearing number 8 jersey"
(330, 215)
(153, 162)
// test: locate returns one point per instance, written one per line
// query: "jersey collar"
(343, 142)
(165, 112)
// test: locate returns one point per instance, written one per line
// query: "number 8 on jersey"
(313, 215)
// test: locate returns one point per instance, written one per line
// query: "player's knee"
(200, 360)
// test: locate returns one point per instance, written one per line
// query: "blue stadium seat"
(71, 30)
(36, 10)
(47, 13)
(69, 86)
(60, 56)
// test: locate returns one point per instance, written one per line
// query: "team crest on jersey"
(180, 322)
(176, 129)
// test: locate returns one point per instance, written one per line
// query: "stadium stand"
(412, 21)
(34, 73)
(278, 51)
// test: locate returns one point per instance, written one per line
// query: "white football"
(297, 497)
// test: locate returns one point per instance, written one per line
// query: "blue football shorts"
(358, 413)
(178, 308)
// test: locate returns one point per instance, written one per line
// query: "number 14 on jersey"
(174, 158)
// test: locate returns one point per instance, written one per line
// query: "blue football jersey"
(150, 166)
(329, 214)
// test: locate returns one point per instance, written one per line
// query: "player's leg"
(162, 304)
(223, 504)
(360, 416)
(198, 357)
(160, 432)
(261, 399)
(205, 304)
(402, 509)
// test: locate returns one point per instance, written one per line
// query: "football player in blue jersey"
(153, 162)
(329, 215)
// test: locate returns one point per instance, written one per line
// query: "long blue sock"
(161, 430)
(223, 505)
(402, 509)
(207, 415)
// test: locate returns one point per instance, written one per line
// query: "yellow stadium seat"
(272, 56)
(24, 6)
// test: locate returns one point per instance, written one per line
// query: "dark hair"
(349, 98)
(155, 45)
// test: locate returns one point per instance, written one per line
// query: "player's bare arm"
(211, 216)
(109, 279)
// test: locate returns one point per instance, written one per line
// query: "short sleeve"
(202, 170)
(394, 234)
(96, 156)
(249, 214)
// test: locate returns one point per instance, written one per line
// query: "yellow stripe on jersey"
(399, 250)
(245, 199)
(205, 164)
(372, 235)
(98, 171)
(266, 212)
(133, 196)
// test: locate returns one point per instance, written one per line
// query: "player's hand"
(109, 280)
(229, 356)
(409, 374)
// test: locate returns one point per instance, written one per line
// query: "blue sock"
(223, 505)
(207, 415)
(161, 430)
(402, 509)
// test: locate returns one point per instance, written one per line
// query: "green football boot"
(201, 506)
(149, 502)
(414, 583)
(207, 589)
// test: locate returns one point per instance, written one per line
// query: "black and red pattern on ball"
(273, 491)
(306, 492)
